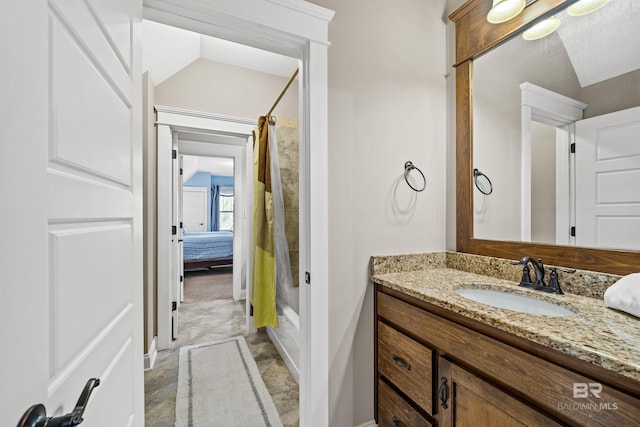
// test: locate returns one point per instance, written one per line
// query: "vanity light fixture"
(504, 10)
(542, 29)
(584, 7)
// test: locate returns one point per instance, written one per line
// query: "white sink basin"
(514, 302)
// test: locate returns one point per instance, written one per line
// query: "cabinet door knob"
(36, 415)
(400, 363)
(395, 421)
(443, 393)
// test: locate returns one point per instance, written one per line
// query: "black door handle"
(443, 393)
(36, 415)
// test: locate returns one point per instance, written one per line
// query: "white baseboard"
(293, 369)
(250, 327)
(150, 358)
(371, 423)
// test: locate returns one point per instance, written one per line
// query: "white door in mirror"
(607, 177)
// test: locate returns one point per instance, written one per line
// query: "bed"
(207, 249)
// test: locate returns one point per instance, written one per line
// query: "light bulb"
(584, 7)
(504, 10)
(542, 29)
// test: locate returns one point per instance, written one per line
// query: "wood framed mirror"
(474, 37)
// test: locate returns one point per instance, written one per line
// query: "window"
(226, 208)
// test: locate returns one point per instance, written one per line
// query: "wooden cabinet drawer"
(407, 364)
(546, 385)
(394, 411)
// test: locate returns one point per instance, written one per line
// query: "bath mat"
(219, 385)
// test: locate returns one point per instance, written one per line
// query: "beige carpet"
(208, 285)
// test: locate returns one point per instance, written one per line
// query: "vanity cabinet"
(436, 367)
(467, 400)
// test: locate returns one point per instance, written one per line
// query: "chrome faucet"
(538, 268)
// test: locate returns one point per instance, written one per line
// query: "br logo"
(582, 390)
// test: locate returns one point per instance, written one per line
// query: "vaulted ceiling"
(215, 165)
(603, 45)
(167, 50)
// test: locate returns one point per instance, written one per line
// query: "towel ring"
(482, 182)
(408, 167)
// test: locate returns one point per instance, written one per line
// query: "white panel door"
(607, 177)
(176, 239)
(181, 221)
(72, 277)
(165, 226)
(194, 208)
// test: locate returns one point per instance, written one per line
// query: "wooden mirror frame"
(474, 37)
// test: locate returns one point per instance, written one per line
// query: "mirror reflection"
(532, 101)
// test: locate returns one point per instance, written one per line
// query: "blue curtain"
(215, 208)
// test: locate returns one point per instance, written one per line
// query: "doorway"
(199, 134)
(298, 30)
(233, 185)
(205, 321)
(207, 227)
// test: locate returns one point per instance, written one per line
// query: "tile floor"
(209, 321)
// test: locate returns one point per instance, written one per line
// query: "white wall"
(386, 106)
(227, 90)
(149, 155)
(543, 183)
(452, 5)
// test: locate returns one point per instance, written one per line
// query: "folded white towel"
(624, 295)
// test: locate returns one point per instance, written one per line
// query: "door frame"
(542, 105)
(242, 155)
(298, 29)
(184, 127)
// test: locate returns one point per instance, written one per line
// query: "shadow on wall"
(403, 195)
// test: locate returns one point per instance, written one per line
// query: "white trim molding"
(308, 8)
(173, 111)
(192, 121)
(183, 124)
(550, 107)
(150, 357)
(540, 105)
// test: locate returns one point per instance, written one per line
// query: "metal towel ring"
(482, 182)
(408, 167)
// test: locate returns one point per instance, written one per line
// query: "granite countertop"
(596, 334)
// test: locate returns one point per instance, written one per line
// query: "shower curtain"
(271, 252)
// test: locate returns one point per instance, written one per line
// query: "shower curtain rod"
(295, 73)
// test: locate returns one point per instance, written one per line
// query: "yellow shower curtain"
(263, 297)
